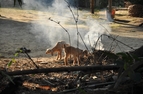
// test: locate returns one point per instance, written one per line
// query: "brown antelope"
(75, 52)
(57, 48)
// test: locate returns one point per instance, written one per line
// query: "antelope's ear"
(48, 51)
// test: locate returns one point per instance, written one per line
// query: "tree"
(92, 3)
(19, 1)
(110, 5)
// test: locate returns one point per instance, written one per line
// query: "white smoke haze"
(48, 32)
(108, 16)
(59, 7)
(33, 4)
(96, 29)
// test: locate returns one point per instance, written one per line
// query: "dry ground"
(14, 33)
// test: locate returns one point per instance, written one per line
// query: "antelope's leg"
(58, 55)
(66, 59)
(78, 60)
(75, 60)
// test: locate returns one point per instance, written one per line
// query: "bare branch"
(110, 37)
(62, 27)
(76, 21)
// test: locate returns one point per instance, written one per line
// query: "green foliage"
(9, 64)
(13, 59)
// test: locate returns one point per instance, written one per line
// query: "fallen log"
(65, 69)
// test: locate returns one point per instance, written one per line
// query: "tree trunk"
(92, 6)
(14, 3)
(110, 6)
(19, 1)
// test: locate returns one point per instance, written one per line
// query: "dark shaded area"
(11, 87)
(11, 30)
(122, 21)
(141, 24)
(119, 21)
(136, 1)
(19, 1)
(138, 52)
(135, 10)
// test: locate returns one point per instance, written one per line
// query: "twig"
(32, 60)
(104, 28)
(111, 49)
(62, 27)
(49, 82)
(97, 40)
(113, 39)
(89, 42)
(76, 21)
(89, 86)
(25, 51)
(119, 41)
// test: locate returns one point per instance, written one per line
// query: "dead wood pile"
(135, 10)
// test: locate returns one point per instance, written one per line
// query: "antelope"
(57, 48)
(75, 52)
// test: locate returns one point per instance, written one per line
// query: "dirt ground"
(15, 27)
(14, 33)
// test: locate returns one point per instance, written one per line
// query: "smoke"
(108, 16)
(48, 32)
(96, 29)
(59, 7)
(32, 4)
